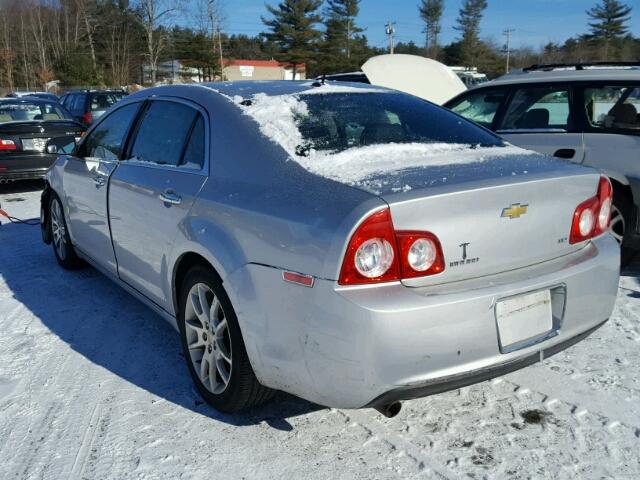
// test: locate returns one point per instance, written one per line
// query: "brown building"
(261, 70)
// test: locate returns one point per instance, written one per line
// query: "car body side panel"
(143, 227)
(612, 152)
(548, 143)
(85, 191)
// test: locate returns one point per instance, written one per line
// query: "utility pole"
(220, 52)
(390, 29)
(508, 33)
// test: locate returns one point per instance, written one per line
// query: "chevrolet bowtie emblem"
(514, 211)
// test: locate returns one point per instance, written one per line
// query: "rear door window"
(65, 101)
(163, 133)
(78, 104)
(537, 109)
(104, 100)
(613, 108)
(480, 107)
(195, 151)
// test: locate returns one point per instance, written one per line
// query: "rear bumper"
(23, 174)
(454, 382)
(355, 347)
(25, 166)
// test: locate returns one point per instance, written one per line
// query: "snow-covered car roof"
(250, 88)
(568, 75)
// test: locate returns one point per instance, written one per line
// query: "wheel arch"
(183, 264)
(621, 185)
(45, 221)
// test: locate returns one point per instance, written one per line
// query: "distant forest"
(107, 42)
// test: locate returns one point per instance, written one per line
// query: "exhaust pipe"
(390, 410)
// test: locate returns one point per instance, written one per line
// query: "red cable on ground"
(32, 222)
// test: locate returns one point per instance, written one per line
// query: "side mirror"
(61, 145)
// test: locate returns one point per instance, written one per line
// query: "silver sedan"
(347, 244)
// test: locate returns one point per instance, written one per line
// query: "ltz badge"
(465, 257)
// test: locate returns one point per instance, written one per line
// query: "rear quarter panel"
(260, 207)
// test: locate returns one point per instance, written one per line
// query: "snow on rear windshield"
(350, 136)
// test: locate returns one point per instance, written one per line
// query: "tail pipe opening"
(390, 410)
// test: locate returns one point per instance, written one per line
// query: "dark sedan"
(25, 126)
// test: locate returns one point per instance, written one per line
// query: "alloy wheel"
(617, 224)
(208, 338)
(58, 229)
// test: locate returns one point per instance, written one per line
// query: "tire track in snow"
(82, 455)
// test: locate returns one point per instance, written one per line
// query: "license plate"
(36, 144)
(524, 318)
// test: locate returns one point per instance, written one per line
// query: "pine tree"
(608, 22)
(341, 25)
(293, 30)
(469, 19)
(343, 47)
(431, 12)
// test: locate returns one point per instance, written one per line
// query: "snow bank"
(278, 118)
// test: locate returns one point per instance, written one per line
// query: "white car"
(586, 113)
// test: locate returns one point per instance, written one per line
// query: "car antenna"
(323, 81)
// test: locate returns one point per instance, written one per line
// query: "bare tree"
(7, 53)
(152, 15)
(118, 43)
(85, 11)
(212, 17)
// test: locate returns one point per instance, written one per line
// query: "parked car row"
(87, 106)
(351, 245)
(26, 124)
(29, 119)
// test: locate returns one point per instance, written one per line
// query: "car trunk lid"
(494, 217)
(32, 136)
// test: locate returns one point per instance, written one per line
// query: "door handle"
(170, 197)
(565, 153)
(99, 181)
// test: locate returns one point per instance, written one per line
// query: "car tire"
(213, 346)
(620, 219)
(62, 247)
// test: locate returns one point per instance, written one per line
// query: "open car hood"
(419, 76)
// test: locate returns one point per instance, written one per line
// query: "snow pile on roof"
(278, 117)
(315, 88)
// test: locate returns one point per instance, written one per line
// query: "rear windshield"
(32, 111)
(336, 122)
(104, 100)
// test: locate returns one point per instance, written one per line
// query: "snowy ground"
(93, 386)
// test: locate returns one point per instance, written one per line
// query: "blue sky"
(536, 21)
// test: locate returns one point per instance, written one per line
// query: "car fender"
(617, 176)
(206, 239)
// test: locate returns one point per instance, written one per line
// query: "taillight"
(87, 118)
(592, 216)
(371, 253)
(7, 145)
(378, 253)
(420, 254)
(605, 197)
